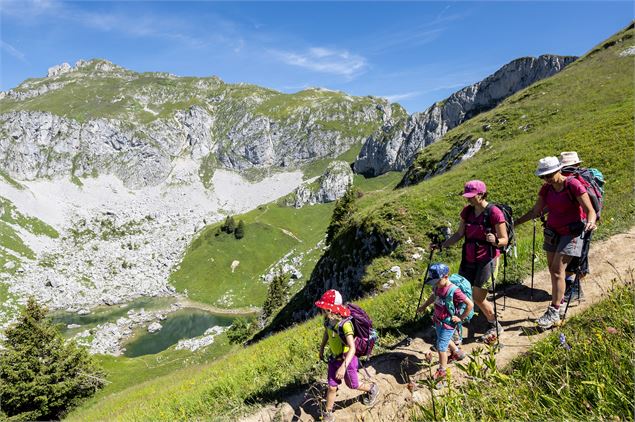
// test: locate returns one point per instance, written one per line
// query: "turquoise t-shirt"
(335, 342)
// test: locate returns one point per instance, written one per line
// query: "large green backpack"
(458, 282)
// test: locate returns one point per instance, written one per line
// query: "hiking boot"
(549, 319)
(562, 310)
(456, 356)
(328, 416)
(575, 292)
(371, 396)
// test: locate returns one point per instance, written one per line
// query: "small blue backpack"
(458, 282)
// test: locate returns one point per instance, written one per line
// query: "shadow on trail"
(524, 293)
(530, 331)
(310, 398)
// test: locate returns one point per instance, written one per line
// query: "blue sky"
(414, 53)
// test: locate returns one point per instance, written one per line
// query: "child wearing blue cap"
(444, 320)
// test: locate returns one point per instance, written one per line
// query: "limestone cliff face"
(394, 146)
(99, 118)
(329, 187)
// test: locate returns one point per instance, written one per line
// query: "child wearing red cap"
(342, 363)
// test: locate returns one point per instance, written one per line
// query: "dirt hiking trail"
(392, 369)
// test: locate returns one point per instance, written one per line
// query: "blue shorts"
(444, 336)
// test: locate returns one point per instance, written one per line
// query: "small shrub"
(242, 330)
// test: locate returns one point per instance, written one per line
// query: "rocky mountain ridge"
(394, 146)
(98, 118)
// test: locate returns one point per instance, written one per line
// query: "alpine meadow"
(190, 248)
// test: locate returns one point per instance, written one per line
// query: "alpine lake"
(184, 323)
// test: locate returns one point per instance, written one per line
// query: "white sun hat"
(569, 158)
(548, 165)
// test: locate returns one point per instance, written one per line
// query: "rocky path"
(609, 259)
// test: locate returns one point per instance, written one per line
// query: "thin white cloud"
(12, 51)
(324, 60)
(422, 34)
(145, 25)
(398, 97)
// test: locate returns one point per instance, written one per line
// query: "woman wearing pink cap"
(342, 363)
(570, 216)
(483, 227)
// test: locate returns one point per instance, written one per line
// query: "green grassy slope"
(588, 377)
(11, 244)
(588, 107)
(271, 232)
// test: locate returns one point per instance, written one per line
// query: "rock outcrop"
(393, 147)
(329, 187)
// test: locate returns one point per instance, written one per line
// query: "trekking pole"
(423, 285)
(491, 263)
(504, 281)
(576, 280)
(533, 260)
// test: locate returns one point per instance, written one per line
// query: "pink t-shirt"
(440, 310)
(475, 231)
(563, 206)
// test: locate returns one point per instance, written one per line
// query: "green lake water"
(183, 324)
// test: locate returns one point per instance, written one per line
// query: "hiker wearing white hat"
(569, 158)
(594, 181)
(570, 215)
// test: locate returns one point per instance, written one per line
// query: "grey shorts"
(567, 245)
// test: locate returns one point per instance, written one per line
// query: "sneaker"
(494, 327)
(492, 333)
(440, 378)
(562, 309)
(371, 396)
(456, 356)
(550, 318)
(440, 374)
(328, 416)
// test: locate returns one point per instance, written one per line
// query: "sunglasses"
(548, 176)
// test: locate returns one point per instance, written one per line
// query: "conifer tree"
(230, 225)
(344, 208)
(41, 375)
(239, 233)
(276, 295)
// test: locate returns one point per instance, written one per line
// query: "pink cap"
(473, 188)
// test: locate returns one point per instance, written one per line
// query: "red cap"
(332, 301)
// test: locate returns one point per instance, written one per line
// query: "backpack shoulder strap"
(340, 326)
(567, 186)
(486, 216)
(449, 297)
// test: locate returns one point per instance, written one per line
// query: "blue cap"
(437, 272)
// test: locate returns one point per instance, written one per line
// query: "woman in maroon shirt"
(569, 216)
(480, 249)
